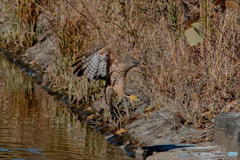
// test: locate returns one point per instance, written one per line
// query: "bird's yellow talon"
(133, 98)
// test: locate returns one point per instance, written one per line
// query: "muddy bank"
(123, 141)
(146, 136)
(34, 125)
(181, 88)
(151, 129)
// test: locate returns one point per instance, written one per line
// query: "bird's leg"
(126, 107)
(106, 114)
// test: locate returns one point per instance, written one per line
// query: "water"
(35, 126)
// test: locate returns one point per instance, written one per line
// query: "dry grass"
(194, 82)
(78, 89)
(16, 25)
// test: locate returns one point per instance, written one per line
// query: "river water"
(33, 125)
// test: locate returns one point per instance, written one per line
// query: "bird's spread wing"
(94, 65)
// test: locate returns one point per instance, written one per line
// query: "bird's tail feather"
(79, 70)
(79, 66)
(78, 60)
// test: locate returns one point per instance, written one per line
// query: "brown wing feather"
(94, 64)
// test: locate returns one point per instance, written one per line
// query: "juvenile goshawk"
(100, 64)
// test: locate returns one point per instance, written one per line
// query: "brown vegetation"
(195, 82)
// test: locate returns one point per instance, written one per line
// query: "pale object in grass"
(193, 34)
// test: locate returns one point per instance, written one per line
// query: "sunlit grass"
(15, 35)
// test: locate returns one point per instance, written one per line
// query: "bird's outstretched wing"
(94, 64)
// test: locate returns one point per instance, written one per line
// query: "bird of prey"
(100, 64)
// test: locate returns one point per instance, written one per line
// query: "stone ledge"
(227, 131)
(201, 152)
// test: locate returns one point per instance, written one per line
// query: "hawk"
(100, 64)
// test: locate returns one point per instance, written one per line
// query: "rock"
(227, 131)
(45, 51)
(200, 152)
(158, 128)
(100, 105)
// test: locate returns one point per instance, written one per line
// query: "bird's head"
(131, 62)
(128, 63)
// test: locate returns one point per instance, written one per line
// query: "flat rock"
(46, 50)
(201, 152)
(158, 128)
(227, 131)
(43, 53)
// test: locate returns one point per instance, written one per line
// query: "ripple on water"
(35, 126)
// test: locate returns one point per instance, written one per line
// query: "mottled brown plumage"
(100, 64)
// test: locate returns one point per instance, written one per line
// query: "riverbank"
(35, 125)
(83, 113)
(152, 146)
(187, 85)
(153, 131)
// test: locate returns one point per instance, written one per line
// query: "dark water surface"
(35, 126)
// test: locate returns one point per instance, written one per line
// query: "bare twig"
(90, 18)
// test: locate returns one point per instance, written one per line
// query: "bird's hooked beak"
(130, 63)
(133, 62)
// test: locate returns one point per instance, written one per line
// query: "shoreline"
(189, 88)
(134, 145)
(122, 142)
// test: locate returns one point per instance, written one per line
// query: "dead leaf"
(232, 4)
(90, 117)
(33, 62)
(149, 109)
(121, 131)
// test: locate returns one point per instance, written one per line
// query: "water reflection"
(35, 126)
